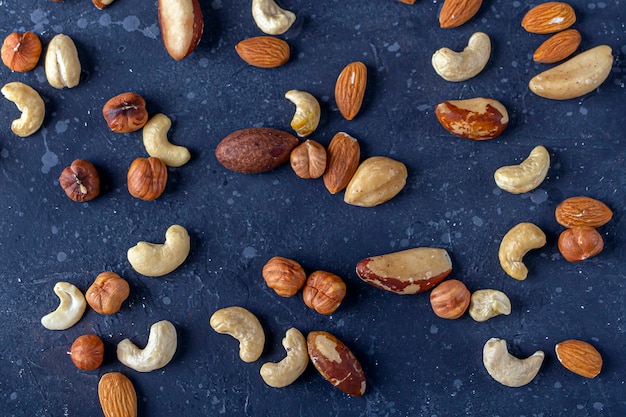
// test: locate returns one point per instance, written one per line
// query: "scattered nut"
(270, 18)
(343, 157)
(80, 181)
(549, 17)
(377, 180)
(506, 368)
(350, 89)
(182, 25)
(243, 326)
(477, 118)
(285, 372)
(87, 352)
(307, 116)
(485, 304)
(450, 299)
(102, 4)
(21, 51)
(155, 260)
(323, 292)
(62, 64)
(454, 13)
(580, 243)
(461, 66)
(117, 395)
(264, 51)
(146, 178)
(157, 353)
(125, 112)
(156, 143)
(579, 357)
(582, 211)
(515, 244)
(526, 176)
(285, 276)
(308, 160)
(107, 293)
(558, 47)
(71, 307)
(30, 103)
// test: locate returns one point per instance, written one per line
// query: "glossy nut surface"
(87, 352)
(80, 181)
(21, 51)
(323, 292)
(125, 112)
(147, 178)
(107, 293)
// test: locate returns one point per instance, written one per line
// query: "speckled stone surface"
(416, 364)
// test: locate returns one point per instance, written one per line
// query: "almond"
(117, 395)
(549, 17)
(350, 89)
(263, 51)
(582, 211)
(456, 12)
(477, 118)
(343, 156)
(558, 47)
(579, 357)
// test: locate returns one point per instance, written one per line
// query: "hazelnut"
(579, 243)
(80, 181)
(323, 292)
(107, 293)
(87, 352)
(450, 299)
(308, 159)
(284, 276)
(125, 112)
(147, 178)
(21, 51)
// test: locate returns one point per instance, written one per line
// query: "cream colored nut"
(460, 66)
(155, 260)
(506, 368)
(157, 353)
(243, 326)
(377, 179)
(71, 307)
(30, 103)
(156, 143)
(62, 64)
(526, 176)
(485, 304)
(270, 18)
(283, 373)
(307, 116)
(515, 244)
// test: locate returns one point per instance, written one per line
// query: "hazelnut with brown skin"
(323, 292)
(80, 181)
(87, 352)
(579, 243)
(107, 293)
(147, 178)
(284, 276)
(21, 51)
(125, 112)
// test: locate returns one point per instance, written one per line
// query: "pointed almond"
(454, 13)
(350, 89)
(582, 211)
(549, 17)
(579, 357)
(117, 395)
(263, 51)
(343, 156)
(558, 47)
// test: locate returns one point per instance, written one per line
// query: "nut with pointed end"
(579, 357)
(308, 160)
(107, 293)
(580, 243)
(350, 89)
(117, 395)
(284, 276)
(182, 25)
(125, 112)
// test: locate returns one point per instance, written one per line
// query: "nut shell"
(21, 51)
(87, 352)
(323, 292)
(580, 243)
(147, 178)
(284, 276)
(80, 181)
(107, 293)
(579, 357)
(450, 299)
(125, 112)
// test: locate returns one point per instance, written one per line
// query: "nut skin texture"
(580, 243)
(21, 51)
(342, 160)
(87, 352)
(377, 180)
(454, 13)
(558, 47)
(335, 362)
(284, 276)
(582, 211)
(147, 178)
(476, 118)
(80, 181)
(107, 293)
(125, 112)
(263, 51)
(549, 17)
(350, 89)
(323, 292)
(579, 357)
(182, 25)
(117, 395)
(450, 299)
(518, 241)
(308, 160)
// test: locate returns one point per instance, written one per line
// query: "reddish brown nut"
(80, 181)
(558, 47)
(107, 293)
(323, 292)
(332, 358)
(477, 118)
(582, 211)
(580, 243)
(450, 299)
(87, 352)
(21, 51)
(125, 112)
(285, 276)
(264, 51)
(147, 178)
(343, 158)
(308, 160)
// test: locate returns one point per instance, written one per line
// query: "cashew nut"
(62, 65)
(156, 143)
(270, 18)
(71, 307)
(515, 244)
(506, 368)
(155, 260)
(157, 353)
(307, 115)
(461, 66)
(527, 175)
(30, 103)
(243, 326)
(485, 304)
(283, 373)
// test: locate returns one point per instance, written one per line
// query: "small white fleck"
(61, 256)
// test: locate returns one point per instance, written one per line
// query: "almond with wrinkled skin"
(580, 243)
(350, 89)
(454, 13)
(582, 211)
(558, 47)
(182, 25)
(342, 160)
(475, 118)
(263, 51)
(579, 357)
(549, 17)
(117, 395)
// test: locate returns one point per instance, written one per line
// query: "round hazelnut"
(450, 299)
(323, 292)
(107, 293)
(147, 178)
(21, 51)
(125, 112)
(80, 181)
(284, 276)
(87, 352)
(308, 160)
(579, 243)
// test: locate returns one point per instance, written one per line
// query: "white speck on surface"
(61, 256)
(598, 406)
(105, 20)
(423, 107)
(204, 62)
(191, 95)
(249, 252)
(557, 385)
(13, 396)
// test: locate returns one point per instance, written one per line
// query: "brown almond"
(117, 395)
(263, 51)
(549, 17)
(350, 89)
(582, 211)
(454, 13)
(579, 357)
(558, 47)
(343, 156)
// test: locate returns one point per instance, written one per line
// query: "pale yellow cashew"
(515, 244)
(70, 310)
(157, 353)
(30, 103)
(243, 326)
(155, 260)
(62, 64)
(506, 368)
(307, 116)
(283, 373)
(526, 176)
(485, 304)
(460, 66)
(270, 18)
(156, 143)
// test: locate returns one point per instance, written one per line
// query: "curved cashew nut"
(515, 244)
(283, 373)
(461, 66)
(71, 307)
(30, 103)
(62, 65)
(506, 368)
(270, 18)
(527, 175)
(307, 116)
(157, 353)
(485, 304)
(156, 143)
(155, 260)
(243, 326)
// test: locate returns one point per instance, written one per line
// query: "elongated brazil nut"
(409, 271)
